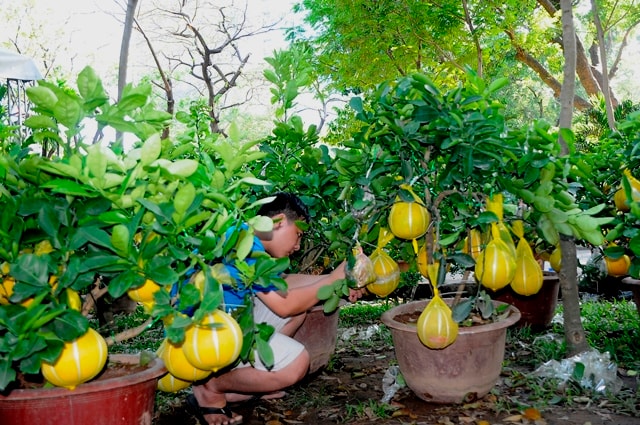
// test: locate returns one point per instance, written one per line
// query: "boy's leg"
(284, 325)
(291, 363)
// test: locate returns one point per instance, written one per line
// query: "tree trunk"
(573, 330)
(603, 62)
(124, 53)
(124, 46)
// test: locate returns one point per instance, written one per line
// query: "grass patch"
(363, 313)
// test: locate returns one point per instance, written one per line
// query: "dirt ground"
(349, 388)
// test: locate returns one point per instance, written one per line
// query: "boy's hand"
(356, 294)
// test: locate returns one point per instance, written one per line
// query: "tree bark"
(573, 329)
(583, 67)
(124, 46)
(608, 102)
(527, 59)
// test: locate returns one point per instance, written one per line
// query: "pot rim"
(389, 315)
(155, 369)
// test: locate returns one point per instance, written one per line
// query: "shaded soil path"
(349, 389)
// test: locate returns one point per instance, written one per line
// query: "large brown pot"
(634, 285)
(319, 334)
(122, 400)
(537, 310)
(462, 372)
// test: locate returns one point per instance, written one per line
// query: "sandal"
(200, 411)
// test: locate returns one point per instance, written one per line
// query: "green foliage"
(96, 215)
(617, 151)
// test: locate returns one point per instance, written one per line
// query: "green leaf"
(42, 97)
(245, 244)
(151, 149)
(261, 223)
(70, 325)
(331, 304)
(325, 292)
(7, 373)
(182, 168)
(69, 187)
(265, 352)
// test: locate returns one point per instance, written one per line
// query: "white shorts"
(285, 349)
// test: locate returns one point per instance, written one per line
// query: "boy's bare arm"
(301, 294)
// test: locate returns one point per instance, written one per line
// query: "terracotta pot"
(462, 372)
(125, 400)
(634, 286)
(537, 310)
(319, 334)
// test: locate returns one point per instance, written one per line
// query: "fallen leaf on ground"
(532, 414)
(401, 412)
(513, 418)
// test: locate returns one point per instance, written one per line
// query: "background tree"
(360, 44)
(198, 46)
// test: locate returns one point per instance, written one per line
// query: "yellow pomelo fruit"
(170, 384)
(387, 274)
(6, 289)
(496, 264)
(495, 204)
(145, 292)
(436, 328)
(620, 197)
(555, 259)
(43, 247)
(80, 360)
(72, 299)
(473, 244)
(177, 364)
(408, 220)
(505, 235)
(213, 347)
(528, 277)
(618, 267)
(422, 261)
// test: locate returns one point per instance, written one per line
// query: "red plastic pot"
(123, 400)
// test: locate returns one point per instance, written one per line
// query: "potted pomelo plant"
(438, 168)
(123, 215)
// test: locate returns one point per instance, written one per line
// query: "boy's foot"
(214, 415)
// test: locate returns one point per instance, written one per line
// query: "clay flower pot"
(124, 400)
(462, 372)
(319, 334)
(537, 310)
